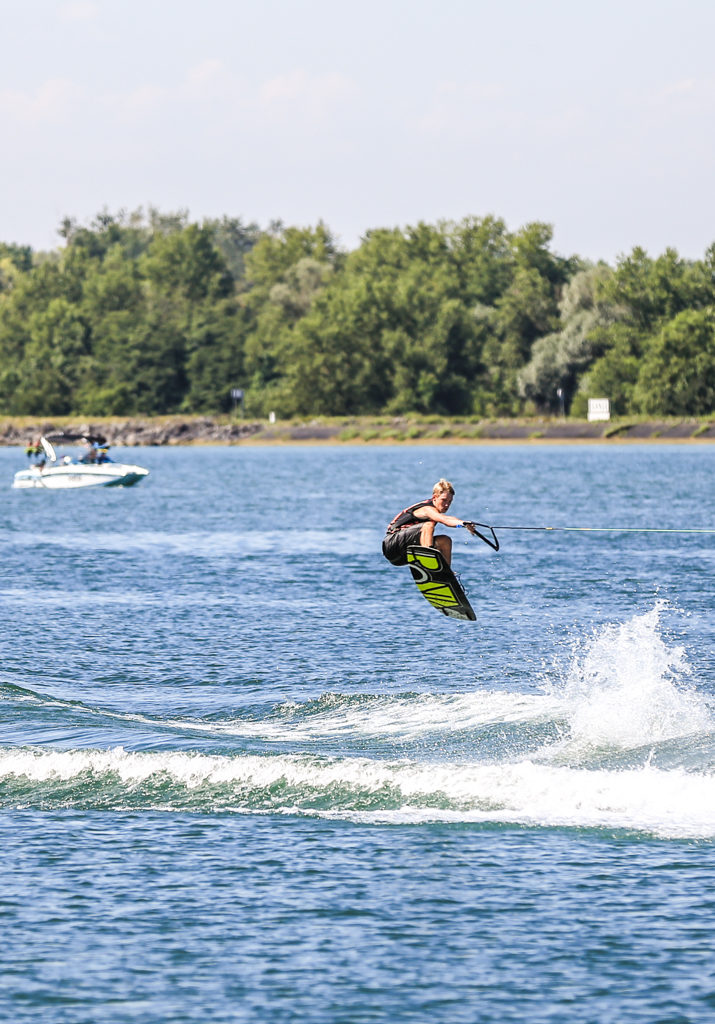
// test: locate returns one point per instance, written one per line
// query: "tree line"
(150, 313)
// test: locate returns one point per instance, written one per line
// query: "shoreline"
(359, 431)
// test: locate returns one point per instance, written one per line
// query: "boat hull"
(74, 475)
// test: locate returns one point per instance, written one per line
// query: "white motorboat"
(93, 469)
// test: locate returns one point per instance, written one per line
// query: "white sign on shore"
(599, 409)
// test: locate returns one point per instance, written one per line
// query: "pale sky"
(598, 118)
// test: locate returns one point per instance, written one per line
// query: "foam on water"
(626, 688)
(672, 803)
(404, 717)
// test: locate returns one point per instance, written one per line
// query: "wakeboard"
(436, 581)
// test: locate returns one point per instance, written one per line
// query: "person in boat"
(90, 455)
(416, 525)
(35, 451)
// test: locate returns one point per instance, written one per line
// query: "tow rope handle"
(493, 543)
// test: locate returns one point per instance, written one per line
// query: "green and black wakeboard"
(436, 581)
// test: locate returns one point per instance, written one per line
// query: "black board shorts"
(394, 546)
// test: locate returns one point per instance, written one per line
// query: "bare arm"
(429, 512)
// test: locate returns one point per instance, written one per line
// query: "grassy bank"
(175, 429)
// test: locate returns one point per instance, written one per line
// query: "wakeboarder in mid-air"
(416, 525)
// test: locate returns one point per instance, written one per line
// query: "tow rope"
(494, 542)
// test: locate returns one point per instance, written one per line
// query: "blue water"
(248, 774)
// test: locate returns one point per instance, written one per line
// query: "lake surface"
(248, 774)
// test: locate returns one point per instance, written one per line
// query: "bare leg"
(442, 543)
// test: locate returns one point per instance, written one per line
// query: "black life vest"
(407, 518)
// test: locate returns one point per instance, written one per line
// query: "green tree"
(215, 356)
(648, 294)
(274, 254)
(51, 362)
(654, 291)
(677, 374)
(615, 373)
(234, 240)
(558, 359)
(187, 266)
(20, 256)
(391, 333)
(286, 271)
(481, 251)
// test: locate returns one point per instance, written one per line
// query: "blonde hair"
(441, 486)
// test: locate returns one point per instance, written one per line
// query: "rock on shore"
(135, 432)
